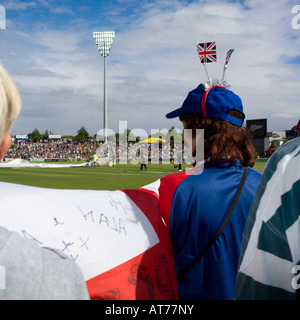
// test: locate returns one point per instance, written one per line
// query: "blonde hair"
(10, 102)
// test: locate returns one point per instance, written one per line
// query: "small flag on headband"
(229, 53)
(207, 52)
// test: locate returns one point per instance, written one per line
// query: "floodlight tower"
(104, 40)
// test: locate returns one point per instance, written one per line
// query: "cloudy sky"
(49, 50)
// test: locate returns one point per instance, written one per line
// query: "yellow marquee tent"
(153, 140)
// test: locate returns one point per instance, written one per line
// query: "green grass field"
(119, 177)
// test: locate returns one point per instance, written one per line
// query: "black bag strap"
(214, 239)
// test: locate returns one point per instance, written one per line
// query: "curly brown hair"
(223, 141)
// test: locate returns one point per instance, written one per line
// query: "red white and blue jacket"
(193, 207)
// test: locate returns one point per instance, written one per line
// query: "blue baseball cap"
(215, 102)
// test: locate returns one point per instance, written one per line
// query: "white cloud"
(19, 5)
(153, 64)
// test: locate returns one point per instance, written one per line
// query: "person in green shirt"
(269, 263)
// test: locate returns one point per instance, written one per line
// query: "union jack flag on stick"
(228, 55)
(207, 53)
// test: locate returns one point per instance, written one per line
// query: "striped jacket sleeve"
(270, 255)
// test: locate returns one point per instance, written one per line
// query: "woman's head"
(219, 112)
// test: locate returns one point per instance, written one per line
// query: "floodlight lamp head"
(104, 40)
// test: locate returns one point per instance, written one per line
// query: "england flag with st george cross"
(117, 238)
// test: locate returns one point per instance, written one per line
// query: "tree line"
(83, 135)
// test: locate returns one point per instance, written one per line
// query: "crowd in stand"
(69, 149)
(49, 149)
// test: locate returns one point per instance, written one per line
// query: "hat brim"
(175, 113)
